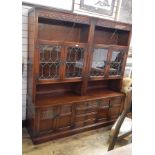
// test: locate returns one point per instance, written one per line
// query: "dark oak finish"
(75, 69)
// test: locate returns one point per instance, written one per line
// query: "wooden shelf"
(109, 45)
(47, 100)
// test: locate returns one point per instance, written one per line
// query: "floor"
(87, 143)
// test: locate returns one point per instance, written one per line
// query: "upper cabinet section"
(64, 31)
(111, 36)
(72, 48)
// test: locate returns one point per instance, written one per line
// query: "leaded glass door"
(99, 62)
(117, 62)
(50, 56)
(74, 60)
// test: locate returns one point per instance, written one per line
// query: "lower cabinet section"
(67, 119)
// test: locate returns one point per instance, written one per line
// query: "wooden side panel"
(31, 32)
(31, 75)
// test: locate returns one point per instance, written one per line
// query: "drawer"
(87, 110)
(86, 105)
(84, 117)
(85, 123)
(104, 103)
(92, 104)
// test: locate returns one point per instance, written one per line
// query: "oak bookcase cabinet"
(75, 69)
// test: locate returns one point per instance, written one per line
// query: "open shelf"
(71, 97)
(110, 36)
(50, 29)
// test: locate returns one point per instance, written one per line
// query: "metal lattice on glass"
(116, 63)
(99, 62)
(49, 61)
(74, 62)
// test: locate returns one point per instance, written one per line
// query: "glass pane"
(99, 62)
(74, 62)
(49, 61)
(116, 63)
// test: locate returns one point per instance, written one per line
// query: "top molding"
(72, 17)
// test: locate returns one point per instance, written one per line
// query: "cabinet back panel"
(58, 32)
(57, 89)
(111, 36)
(105, 37)
(97, 85)
(62, 31)
(123, 38)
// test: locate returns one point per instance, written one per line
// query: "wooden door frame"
(72, 44)
(47, 42)
(102, 46)
(125, 50)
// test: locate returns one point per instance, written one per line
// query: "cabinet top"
(83, 19)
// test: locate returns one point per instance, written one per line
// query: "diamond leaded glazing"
(99, 62)
(116, 63)
(49, 61)
(74, 62)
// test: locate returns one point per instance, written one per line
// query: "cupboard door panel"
(99, 62)
(114, 112)
(115, 107)
(74, 60)
(117, 62)
(55, 118)
(50, 56)
(116, 101)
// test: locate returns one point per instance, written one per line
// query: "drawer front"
(85, 117)
(103, 110)
(86, 107)
(85, 122)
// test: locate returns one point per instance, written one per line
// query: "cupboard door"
(75, 55)
(50, 55)
(54, 119)
(115, 107)
(99, 62)
(117, 62)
